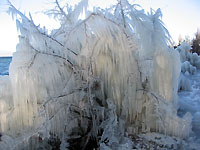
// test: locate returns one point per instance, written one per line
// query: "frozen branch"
(122, 13)
(13, 10)
(32, 61)
(61, 10)
(54, 56)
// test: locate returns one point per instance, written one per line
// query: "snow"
(189, 101)
(189, 86)
(163, 142)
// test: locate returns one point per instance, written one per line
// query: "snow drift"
(109, 72)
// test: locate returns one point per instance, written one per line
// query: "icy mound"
(186, 55)
(189, 102)
(92, 80)
(190, 63)
(189, 86)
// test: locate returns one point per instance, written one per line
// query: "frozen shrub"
(187, 67)
(184, 83)
(192, 59)
(92, 80)
(190, 63)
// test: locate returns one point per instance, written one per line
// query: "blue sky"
(181, 17)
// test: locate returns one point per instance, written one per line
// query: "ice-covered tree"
(91, 81)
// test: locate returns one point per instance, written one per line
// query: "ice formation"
(190, 62)
(186, 55)
(108, 74)
(189, 85)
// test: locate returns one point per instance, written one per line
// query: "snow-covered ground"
(189, 101)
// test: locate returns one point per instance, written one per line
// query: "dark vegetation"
(195, 43)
